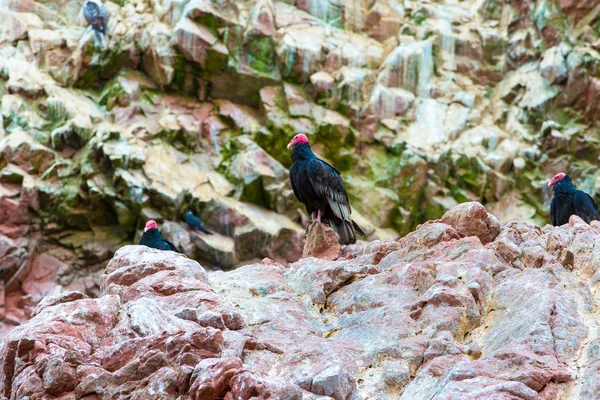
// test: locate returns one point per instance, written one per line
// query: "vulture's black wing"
(293, 180)
(171, 246)
(331, 166)
(585, 207)
(327, 184)
(553, 212)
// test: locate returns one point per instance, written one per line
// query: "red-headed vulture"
(152, 238)
(569, 201)
(319, 187)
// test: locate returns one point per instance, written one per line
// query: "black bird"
(569, 201)
(96, 14)
(195, 223)
(319, 186)
(152, 238)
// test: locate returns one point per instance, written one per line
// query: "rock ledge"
(461, 308)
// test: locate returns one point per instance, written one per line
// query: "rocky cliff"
(189, 104)
(461, 308)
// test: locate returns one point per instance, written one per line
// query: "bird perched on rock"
(195, 223)
(152, 238)
(319, 186)
(569, 201)
(96, 14)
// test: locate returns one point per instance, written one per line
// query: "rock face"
(437, 314)
(158, 331)
(421, 105)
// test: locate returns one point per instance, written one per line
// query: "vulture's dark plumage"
(96, 14)
(319, 186)
(569, 201)
(195, 223)
(152, 238)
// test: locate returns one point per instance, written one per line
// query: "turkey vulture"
(96, 14)
(568, 201)
(195, 223)
(152, 238)
(319, 186)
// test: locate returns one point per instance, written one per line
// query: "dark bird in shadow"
(152, 238)
(96, 14)
(195, 224)
(569, 201)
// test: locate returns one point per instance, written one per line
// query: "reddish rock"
(246, 385)
(321, 242)
(593, 95)
(577, 8)
(194, 40)
(436, 314)
(263, 18)
(211, 377)
(471, 219)
(133, 339)
(64, 297)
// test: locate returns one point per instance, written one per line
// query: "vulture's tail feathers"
(346, 232)
(358, 229)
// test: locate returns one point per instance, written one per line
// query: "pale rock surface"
(436, 314)
(190, 104)
(553, 65)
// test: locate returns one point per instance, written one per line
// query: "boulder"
(471, 219)
(129, 328)
(321, 242)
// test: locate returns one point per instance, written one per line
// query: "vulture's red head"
(298, 139)
(557, 178)
(150, 225)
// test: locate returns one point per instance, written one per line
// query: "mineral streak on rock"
(437, 314)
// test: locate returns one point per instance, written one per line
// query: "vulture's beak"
(290, 145)
(550, 184)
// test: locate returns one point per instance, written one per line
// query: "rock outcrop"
(421, 105)
(436, 314)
